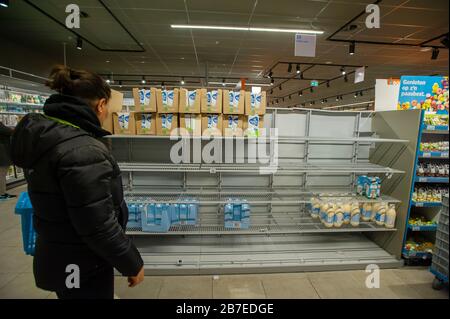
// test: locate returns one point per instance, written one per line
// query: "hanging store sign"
(360, 74)
(314, 83)
(305, 45)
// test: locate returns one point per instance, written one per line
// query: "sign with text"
(360, 74)
(305, 45)
(428, 93)
(314, 83)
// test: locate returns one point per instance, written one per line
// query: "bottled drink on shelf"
(391, 214)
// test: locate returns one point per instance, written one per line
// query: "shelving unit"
(319, 154)
(429, 132)
(10, 108)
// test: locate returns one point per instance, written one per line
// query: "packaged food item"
(366, 212)
(145, 123)
(211, 124)
(329, 216)
(166, 123)
(211, 101)
(233, 102)
(144, 100)
(167, 101)
(315, 207)
(124, 123)
(233, 125)
(355, 214)
(380, 215)
(338, 216)
(346, 210)
(190, 101)
(391, 214)
(255, 103)
(253, 125)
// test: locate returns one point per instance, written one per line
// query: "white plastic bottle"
(355, 215)
(375, 208)
(323, 211)
(346, 209)
(329, 217)
(366, 212)
(391, 214)
(315, 208)
(338, 216)
(380, 215)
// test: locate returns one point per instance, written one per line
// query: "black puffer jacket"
(75, 188)
(5, 136)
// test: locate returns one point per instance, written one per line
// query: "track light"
(351, 48)
(280, 87)
(434, 54)
(346, 78)
(163, 86)
(356, 95)
(326, 101)
(282, 99)
(182, 81)
(311, 89)
(79, 43)
(361, 93)
(4, 3)
(108, 81)
(290, 97)
(337, 98)
(223, 82)
(343, 71)
(120, 83)
(297, 69)
(143, 80)
(270, 74)
(272, 81)
(300, 93)
(328, 84)
(323, 101)
(271, 91)
(290, 68)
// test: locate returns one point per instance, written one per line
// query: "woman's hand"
(136, 280)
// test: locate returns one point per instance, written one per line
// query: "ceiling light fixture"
(120, 83)
(182, 81)
(346, 78)
(79, 43)
(163, 86)
(217, 27)
(311, 89)
(328, 84)
(290, 68)
(343, 71)
(297, 69)
(143, 80)
(434, 54)
(281, 87)
(337, 98)
(108, 81)
(356, 95)
(300, 93)
(351, 48)
(4, 3)
(271, 81)
(223, 82)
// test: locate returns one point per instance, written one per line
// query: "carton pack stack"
(255, 108)
(145, 111)
(167, 106)
(190, 117)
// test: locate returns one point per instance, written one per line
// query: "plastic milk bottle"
(390, 217)
(355, 214)
(346, 209)
(366, 212)
(380, 214)
(339, 215)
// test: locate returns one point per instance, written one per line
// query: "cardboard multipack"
(211, 101)
(165, 123)
(233, 102)
(190, 101)
(192, 123)
(232, 125)
(255, 103)
(144, 100)
(211, 124)
(115, 103)
(167, 101)
(253, 125)
(145, 123)
(124, 123)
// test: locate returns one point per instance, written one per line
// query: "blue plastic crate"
(156, 218)
(25, 210)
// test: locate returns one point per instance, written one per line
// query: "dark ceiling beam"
(142, 49)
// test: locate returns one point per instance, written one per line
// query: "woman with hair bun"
(75, 187)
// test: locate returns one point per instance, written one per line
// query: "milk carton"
(233, 102)
(211, 101)
(167, 101)
(211, 124)
(255, 103)
(165, 123)
(124, 123)
(190, 101)
(253, 125)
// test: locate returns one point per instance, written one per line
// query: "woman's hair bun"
(79, 83)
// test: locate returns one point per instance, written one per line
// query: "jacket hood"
(36, 134)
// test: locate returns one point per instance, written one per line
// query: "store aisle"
(16, 278)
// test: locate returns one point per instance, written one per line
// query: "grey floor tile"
(5, 278)
(22, 287)
(186, 287)
(148, 289)
(240, 287)
(11, 237)
(415, 275)
(14, 260)
(291, 286)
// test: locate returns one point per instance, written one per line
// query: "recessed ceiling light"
(4, 3)
(142, 61)
(107, 61)
(216, 27)
(425, 49)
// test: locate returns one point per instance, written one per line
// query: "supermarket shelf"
(426, 204)
(21, 104)
(422, 228)
(322, 168)
(309, 227)
(311, 139)
(260, 254)
(435, 129)
(13, 113)
(431, 179)
(14, 182)
(443, 155)
(416, 254)
(209, 197)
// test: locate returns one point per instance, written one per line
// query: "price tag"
(419, 204)
(431, 127)
(422, 179)
(426, 155)
(444, 154)
(416, 228)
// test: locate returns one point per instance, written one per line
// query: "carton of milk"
(167, 97)
(253, 126)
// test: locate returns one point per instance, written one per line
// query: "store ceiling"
(32, 42)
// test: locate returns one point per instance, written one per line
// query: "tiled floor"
(16, 278)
